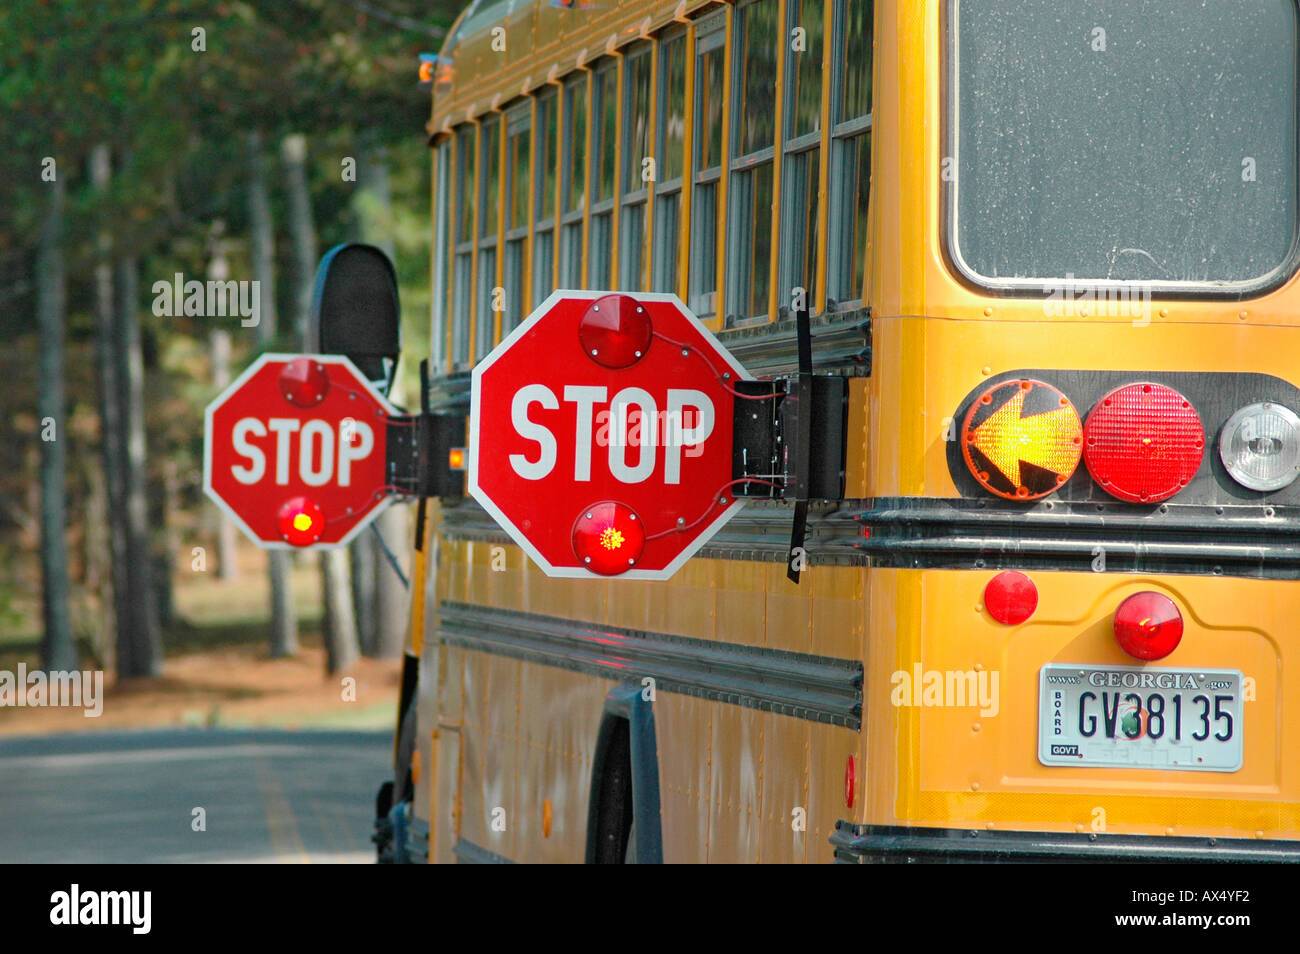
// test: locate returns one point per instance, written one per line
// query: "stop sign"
(294, 451)
(601, 434)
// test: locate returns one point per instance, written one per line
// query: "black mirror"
(355, 310)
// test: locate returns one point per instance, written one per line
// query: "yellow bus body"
(508, 744)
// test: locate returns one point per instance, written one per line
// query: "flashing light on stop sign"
(301, 521)
(303, 382)
(608, 538)
(615, 331)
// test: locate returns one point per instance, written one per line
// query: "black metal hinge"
(789, 439)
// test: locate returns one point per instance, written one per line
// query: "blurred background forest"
(220, 140)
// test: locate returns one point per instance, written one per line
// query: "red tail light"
(1143, 442)
(1148, 626)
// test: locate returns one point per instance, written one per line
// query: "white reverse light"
(1260, 446)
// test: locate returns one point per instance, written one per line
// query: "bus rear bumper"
(889, 844)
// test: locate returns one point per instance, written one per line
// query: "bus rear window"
(1144, 141)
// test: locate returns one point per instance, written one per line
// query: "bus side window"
(545, 159)
(636, 149)
(462, 291)
(850, 167)
(670, 155)
(574, 204)
(604, 174)
(710, 54)
(749, 223)
(801, 161)
(486, 305)
(440, 317)
(518, 135)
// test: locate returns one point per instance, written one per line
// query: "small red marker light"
(1011, 597)
(850, 780)
(301, 521)
(608, 538)
(1148, 626)
(615, 331)
(303, 382)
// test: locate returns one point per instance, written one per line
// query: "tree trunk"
(363, 589)
(339, 622)
(284, 616)
(262, 235)
(227, 568)
(144, 637)
(112, 439)
(302, 227)
(58, 654)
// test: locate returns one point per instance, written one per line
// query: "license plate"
(1140, 717)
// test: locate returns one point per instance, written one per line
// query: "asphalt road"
(267, 796)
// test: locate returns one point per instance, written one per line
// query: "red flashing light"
(1011, 598)
(1148, 626)
(615, 331)
(303, 382)
(1143, 442)
(608, 538)
(850, 780)
(301, 521)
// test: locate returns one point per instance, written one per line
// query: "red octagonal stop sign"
(601, 434)
(295, 450)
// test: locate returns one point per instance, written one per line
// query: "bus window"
(575, 182)
(636, 149)
(604, 172)
(486, 304)
(802, 162)
(670, 157)
(1165, 156)
(544, 158)
(749, 226)
(518, 131)
(440, 318)
(709, 86)
(463, 277)
(850, 167)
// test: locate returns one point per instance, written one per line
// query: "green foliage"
(127, 73)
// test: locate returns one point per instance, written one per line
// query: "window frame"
(515, 116)
(607, 207)
(629, 199)
(799, 147)
(712, 32)
(552, 95)
(461, 351)
(839, 134)
(573, 222)
(440, 314)
(488, 238)
(749, 164)
(665, 257)
(1013, 287)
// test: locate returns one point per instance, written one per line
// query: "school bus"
(1052, 249)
